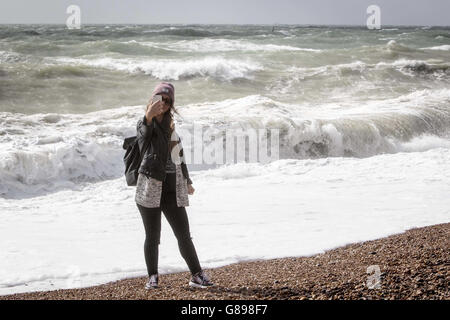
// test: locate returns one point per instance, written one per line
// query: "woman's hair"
(172, 123)
(171, 126)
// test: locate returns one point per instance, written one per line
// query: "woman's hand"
(154, 109)
(190, 189)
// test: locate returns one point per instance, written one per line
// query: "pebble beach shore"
(413, 265)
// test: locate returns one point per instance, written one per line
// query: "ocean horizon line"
(233, 24)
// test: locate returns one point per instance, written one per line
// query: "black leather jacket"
(155, 157)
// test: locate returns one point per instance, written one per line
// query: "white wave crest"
(445, 47)
(216, 67)
(46, 152)
(222, 45)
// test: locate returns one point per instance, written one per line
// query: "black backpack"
(132, 159)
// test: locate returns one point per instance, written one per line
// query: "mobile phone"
(156, 97)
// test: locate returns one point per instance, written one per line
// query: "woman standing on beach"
(163, 185)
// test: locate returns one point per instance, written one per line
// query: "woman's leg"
(152, 224)
(178, 220)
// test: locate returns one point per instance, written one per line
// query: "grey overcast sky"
(335, 12)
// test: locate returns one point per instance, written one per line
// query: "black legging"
(178, 220)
